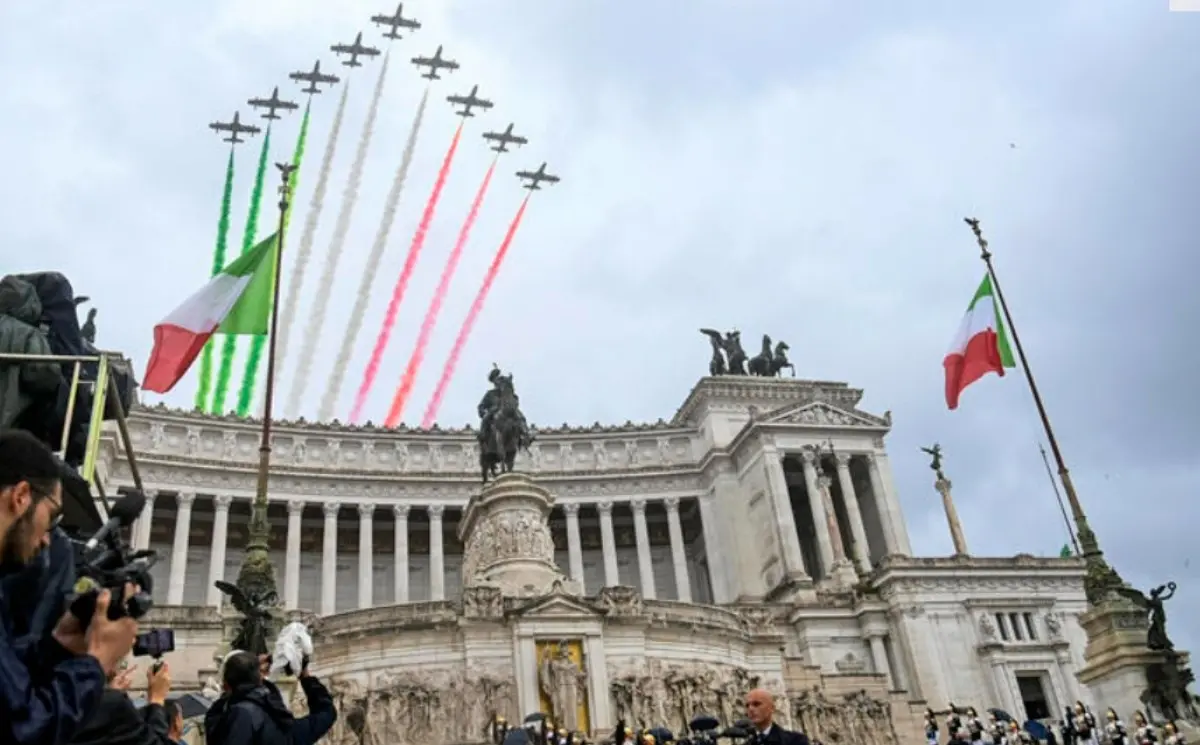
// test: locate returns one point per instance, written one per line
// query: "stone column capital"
(221, 502)
(809, 458)
(296, 506)
(331, 509)
(672, 504)
(604, 507)
(185, 499)
(638, 506)
(571, 509)
(436, 511)
(824, 481)
(366, 510)
(872, 459)
(400, 511)
(843, 460)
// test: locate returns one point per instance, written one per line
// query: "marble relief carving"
(420, 707)
(652, 692)
(856, 719)
(507, 535)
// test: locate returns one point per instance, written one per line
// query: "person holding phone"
(117, 721)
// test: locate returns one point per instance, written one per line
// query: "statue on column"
(503, 429)
(255, 627)
(935, 451)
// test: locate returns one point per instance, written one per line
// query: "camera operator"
(48, 685)
(117, 721)
(251, 710)
(760, 710)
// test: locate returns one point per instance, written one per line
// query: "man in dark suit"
(760, 710)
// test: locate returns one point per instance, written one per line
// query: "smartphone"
(154, 643)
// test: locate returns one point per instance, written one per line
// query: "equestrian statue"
(502, 427)
(728, 357)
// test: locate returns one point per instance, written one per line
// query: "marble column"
(825, 486)
(291, 562)
(957, 537)
(220, 541)
(574, 545)
(179, 550)
(366, 555)
(608, 544)
(717, 564)
(329, 551)
(683, 583)
(642, 536)
(887, 506)
(437, 558)
(141, 538)
(858, 531)
(793, 559)
(880, 658)
(817, 507)
(400, 573)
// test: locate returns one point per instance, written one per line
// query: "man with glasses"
(48, 687)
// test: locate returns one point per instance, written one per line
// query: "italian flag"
(980, 346)
(237, 301)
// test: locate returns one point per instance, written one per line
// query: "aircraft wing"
(249, 128)
(342, 49)
(460, 100)
(527, 174)
(221, 127)
(518, 139)
(548, 177)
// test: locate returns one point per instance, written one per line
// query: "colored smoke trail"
(316, 318)
(349, 339)
(204, 388)
(229, 343)
(259, 343)
(476, 306)
(410, 264)
(435, 305)
(313, 218)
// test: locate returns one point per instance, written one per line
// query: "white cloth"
(292, 647)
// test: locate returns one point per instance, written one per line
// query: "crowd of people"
(1078, 726)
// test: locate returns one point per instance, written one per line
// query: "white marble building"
(746, 554)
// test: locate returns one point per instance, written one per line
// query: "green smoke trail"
(204, 389)
(258, 343)
(229, 343)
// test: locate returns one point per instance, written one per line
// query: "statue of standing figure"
(935, 451)
(503, 429)
(565, 683)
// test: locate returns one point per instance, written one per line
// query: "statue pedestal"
(507, 542)
(1122, 672)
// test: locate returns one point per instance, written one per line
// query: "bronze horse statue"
(508, 434)
(768, 364)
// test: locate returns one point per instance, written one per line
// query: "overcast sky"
(797, 169)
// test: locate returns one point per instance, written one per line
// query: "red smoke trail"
(410, 263)
(435, 305)
(476, 306)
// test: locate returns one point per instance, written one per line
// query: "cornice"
(1018, 576)
(756, 390)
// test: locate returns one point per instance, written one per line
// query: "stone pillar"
(220, 540)
(400, 573)
(825, 486)
(793, 559)
(291, 562)
(712, 550)
(642, 536)
(862, 550)
(880, 658)
(817, 507)
(683, 583)
(141, 538)
(366, 555)
(608, 544)
(887, 505)
(179, 550)
(574, 545)
(956, 532)
(329, 550)
(437, 558)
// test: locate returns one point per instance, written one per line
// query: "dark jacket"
(117, 721)
(20, 314)
(46, 693)
(257, 716)
(780, 736)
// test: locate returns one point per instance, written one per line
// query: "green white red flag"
(980, 346)
(237, 301)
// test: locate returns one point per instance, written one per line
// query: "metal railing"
(103, 387)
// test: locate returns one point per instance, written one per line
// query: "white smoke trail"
(342, 361)
(316, 318)
(311, 220)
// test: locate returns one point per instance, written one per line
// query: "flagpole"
(1101, 577)
(257, 575)
(1058, 498)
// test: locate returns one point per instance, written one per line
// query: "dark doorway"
(1033, 695)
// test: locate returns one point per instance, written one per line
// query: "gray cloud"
(801, 171)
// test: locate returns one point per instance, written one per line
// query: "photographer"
(48, 685)
(116, 721)
(251, 711)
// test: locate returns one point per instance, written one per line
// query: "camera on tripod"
(106, 562)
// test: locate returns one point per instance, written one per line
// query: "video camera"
(707, 730)
(105, 562)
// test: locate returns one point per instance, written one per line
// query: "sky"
(795, 169)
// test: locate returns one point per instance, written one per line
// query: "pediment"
(557, 605)
(821, 414)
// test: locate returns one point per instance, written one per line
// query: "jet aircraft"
(504, 139)
(536, 178)
(396, 22)
(272, 104)
(314, 79)
(355, 50)
(434, 63)
(234, 128)
(469, 102)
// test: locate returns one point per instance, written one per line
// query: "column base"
(841, 576)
